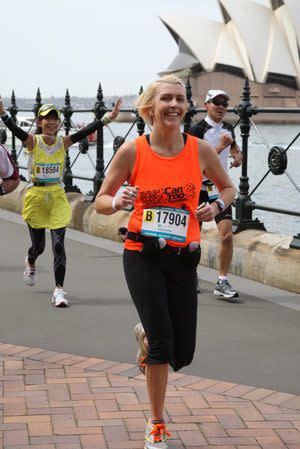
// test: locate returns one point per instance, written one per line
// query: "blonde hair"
(145, 101)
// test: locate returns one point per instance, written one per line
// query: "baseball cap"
(211, 94)
(47, 108)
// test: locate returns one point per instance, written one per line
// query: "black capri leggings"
(38, 242)
(164, 290)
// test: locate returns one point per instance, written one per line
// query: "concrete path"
(255, 342)
(66, 375)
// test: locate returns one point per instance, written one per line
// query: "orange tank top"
(168, 196)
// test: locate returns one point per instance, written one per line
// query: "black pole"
(38, 103)
(244, 204)
(99, 111)
(295, 243)
(140, 124)
(67, 111)
(13, 112)
(191, 108)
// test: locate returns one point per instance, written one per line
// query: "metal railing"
(277, 156)
(277, 162)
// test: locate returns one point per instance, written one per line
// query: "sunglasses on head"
(46, 109)
(218, 102)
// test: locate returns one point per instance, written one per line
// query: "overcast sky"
(75, 44)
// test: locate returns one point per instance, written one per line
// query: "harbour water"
(275, 191)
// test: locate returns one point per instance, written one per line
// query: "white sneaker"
(58, 298)
(29, 273)
(156, 436)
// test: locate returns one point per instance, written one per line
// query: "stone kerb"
(258, 255)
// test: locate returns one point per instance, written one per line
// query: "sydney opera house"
(254, 40)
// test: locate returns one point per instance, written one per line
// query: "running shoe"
(29, 274)
(224, 290)
(156, 436)
(58, 298)
(140, 335)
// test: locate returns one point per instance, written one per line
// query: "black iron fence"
(277, 155)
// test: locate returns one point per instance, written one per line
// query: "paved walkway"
(52, 400)
(54, 397)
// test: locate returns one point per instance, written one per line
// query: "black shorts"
(225, 215)
(164, 291)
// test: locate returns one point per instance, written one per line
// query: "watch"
(220, 204)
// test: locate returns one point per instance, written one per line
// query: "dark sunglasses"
(218, 102)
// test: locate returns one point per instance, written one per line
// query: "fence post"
(13, 112)
(295, 243)
(99, 110)
(140, 124)
(67, 111)
(38, 103)
(3, 135)
(244, 204)
(191, 109)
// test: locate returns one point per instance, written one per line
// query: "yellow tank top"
(46, 162)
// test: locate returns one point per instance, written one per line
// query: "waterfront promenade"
(68, 378)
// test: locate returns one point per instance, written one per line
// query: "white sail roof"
(258, 39)
(196, 32)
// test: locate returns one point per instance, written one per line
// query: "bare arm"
(225, 140)
(8, 185)
(213, 169)
(236, 155)
(119, 172)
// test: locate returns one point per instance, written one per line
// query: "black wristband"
(2, 191)
(15, 129)
(86, 131)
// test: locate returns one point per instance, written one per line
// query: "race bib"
(167, 222)
(47, 172)
(212, 192)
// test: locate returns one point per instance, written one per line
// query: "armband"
(15, 129)
(2, 191)
(106, 118)
(113, 203)
(220, 204)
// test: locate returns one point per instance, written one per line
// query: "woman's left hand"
(114, 113)
(206, 212)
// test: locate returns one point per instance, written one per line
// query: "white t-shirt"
(212, 136)
(6, 167)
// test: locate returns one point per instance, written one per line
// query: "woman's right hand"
(127, 198)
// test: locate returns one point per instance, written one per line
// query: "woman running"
(162, 250)
(46, 205)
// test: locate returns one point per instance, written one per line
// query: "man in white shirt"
(221, 137)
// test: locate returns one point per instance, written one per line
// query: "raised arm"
(92, 127)
(120, 171)
(26, 138)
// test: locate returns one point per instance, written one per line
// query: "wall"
(258, 255)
